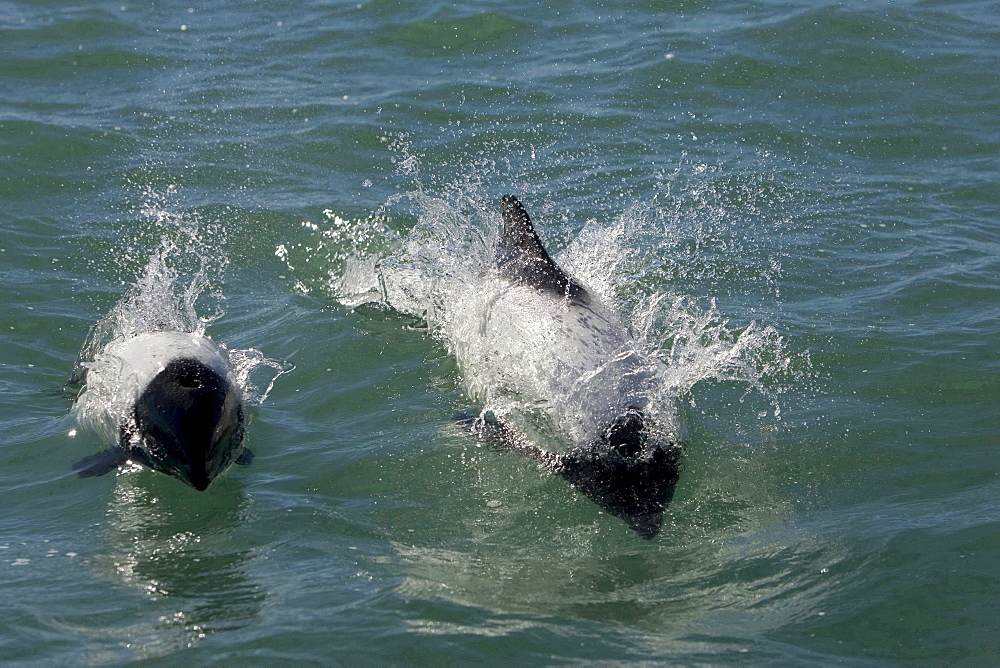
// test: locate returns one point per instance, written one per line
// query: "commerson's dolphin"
(171, 403)
(565, 356)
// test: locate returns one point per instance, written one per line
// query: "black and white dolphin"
(565, 364)
(170, 401)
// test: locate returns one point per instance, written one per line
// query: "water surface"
(818, 181)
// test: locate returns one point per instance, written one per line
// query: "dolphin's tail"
(622, 473)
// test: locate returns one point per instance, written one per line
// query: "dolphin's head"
(190, 421)
(630, 471)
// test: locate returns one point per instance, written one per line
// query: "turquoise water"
(795, 203)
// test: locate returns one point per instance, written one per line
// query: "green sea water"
(796, 203)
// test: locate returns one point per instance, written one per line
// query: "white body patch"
(123, 369)
(523, 351)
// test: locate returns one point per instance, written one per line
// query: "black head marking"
(636, 490)
(626, 472)
(190, 421)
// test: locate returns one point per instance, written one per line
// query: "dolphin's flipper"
(102, 462)
(245, 457)
(636, 492)
(522, 258)
(500, 436)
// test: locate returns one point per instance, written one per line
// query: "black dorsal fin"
(522, 258)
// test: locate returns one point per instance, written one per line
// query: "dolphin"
(170, 401)
(546, 340)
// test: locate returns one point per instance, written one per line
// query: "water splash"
(657, 264)
(340, 259)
